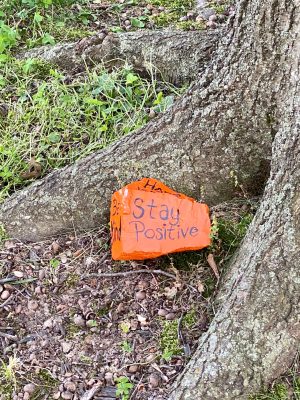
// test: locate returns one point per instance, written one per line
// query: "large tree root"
(178, 56)
(190, 148)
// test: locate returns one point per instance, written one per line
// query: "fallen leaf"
(34, 170)
(170, 292)
(213, 265)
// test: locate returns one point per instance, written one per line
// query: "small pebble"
(33, 305)
(184, 18)
(63, 258)
(127, 22)
(18, 274)
(67, 395)
(66, 347)
(211, 24)
(162, 313)
(29, 388)
(70, 386)
(78, 320)
(207, 12)
(170, 316)
(108, 377)
(56, 396)
(154, 380)
(152, 114)
(140, 295)
(26, 396)
(133, 369)
(5, 295)
(48, 324)
(42, 274)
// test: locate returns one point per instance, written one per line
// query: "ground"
(65, 330)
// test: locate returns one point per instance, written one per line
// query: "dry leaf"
(170, 292)
(213, 265)
(34, 170)
(200, 287)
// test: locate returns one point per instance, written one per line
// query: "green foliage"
(8, 37)
(124, 387)
(227, 234)
(169, 343)
(8, 380)
(191, 25)
(57, 121)
(54, 263)
(37, 22)
(126, 347)
(3, 235)
(279, 392)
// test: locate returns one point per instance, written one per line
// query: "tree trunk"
(217, 134)
(176, 56)
(222, 127)
(255, 333)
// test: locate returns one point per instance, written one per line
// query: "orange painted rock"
(148, 219)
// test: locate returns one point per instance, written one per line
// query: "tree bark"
(255, 333)
(177, 56)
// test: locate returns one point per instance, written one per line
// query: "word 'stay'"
(148, 219)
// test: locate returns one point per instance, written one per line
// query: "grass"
(8, 381)
(57, 121)
(289, 390)
(169, 342)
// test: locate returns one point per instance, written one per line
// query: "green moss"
(183, 261)
(174, 4)
(219, 8)
(191, 25)
(228, 234)
(279, 392)
(72, 281)
(46, 384)
(169, 343)
(164, 19)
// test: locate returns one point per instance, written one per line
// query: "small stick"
(127, 273)
(8, 336)
(6, 280)
(90, 393)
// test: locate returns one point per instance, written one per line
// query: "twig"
(8, 336)
(126, 273)
(136, 388)
(6, 280)
(90, 393)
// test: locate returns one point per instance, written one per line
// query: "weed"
(3, 235)
(191, 25)
(279, 392)
(124, 387)
(126, 347)
(59, 122)
(125, 327)
(8, 382)
(169, 343)
(219, 8)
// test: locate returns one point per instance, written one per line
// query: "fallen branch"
(127, 273)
